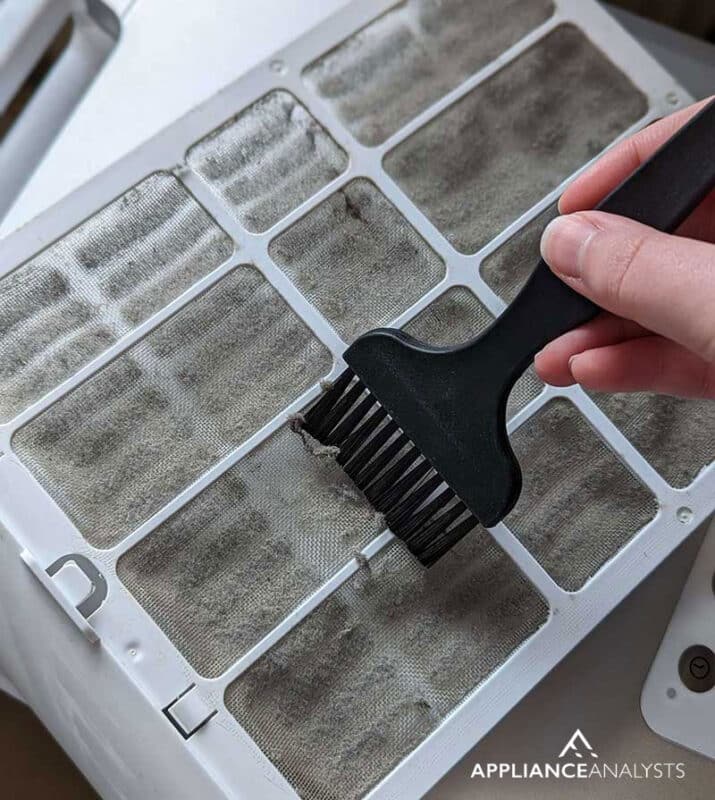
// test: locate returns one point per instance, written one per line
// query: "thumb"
(665, 283)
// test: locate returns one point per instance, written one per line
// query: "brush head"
(427, 450)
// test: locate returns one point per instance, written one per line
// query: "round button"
(697, 668)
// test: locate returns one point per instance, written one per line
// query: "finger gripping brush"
(422, 429)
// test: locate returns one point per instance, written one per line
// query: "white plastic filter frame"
(147, 657)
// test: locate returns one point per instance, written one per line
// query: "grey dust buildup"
(231, 564)
(507, 268)
(268, 160)
(493, 154)
(376, 668)
(579, 504)
(676, 435)
(71, 302)
(454, 318)
(357, 260)
(398, 65)
(129, 439)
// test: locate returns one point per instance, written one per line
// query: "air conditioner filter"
(164, 327)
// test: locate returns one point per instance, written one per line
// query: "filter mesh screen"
(223, 571)
(457, 316)
(76, 298)
(579, 504)
(677, 436)
(129, 439)
(380, 664)
(357, 259)
(401, 63)
(268, 160)
(496, 152)
(506, 269)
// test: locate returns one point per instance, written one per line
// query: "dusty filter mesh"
(357, 259)
(454, 318)
(76, 298)
(226, 568)
(579, 504)
(129, 439)
(507, 269)
(677, 436)
(496, 152)
(364, 678)
(268, 160)
(398, 65)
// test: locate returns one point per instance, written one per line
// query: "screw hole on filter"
(279, 66)
(684, 515)
(672, 98)
(671, 693)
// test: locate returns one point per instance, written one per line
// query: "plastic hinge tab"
(76, 585)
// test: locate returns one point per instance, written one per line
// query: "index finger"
(619, 162)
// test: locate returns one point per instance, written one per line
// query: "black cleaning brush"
(421, 430)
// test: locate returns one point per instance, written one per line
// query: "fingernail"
(563, 243)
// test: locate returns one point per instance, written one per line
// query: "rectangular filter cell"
(231, 564)
(76, 298)
(129, 439)
(357, 260)
(454, 318)
(398, 65)
(268, 160)
(378, 666)
(579, 504)
(493, 154)
(676, 435)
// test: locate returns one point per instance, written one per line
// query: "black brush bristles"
(419, 507)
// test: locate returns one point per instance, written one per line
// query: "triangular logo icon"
(579, 746)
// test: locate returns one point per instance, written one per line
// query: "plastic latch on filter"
(189, 712)
(76, 585)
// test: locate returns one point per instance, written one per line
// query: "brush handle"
(451, 402)
(661, 193)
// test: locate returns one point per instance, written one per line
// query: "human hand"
(657, 332)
